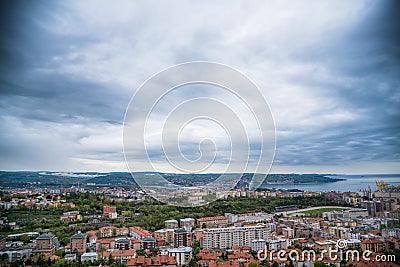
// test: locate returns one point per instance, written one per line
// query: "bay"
(352, 183)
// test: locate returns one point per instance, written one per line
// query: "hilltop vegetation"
(124, 179)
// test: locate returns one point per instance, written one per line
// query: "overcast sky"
(330, 71)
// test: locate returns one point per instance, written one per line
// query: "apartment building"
(138, 232)
(187, 223)
(182, 238)
(78, 243)
(216, 221)
(45, 245)
(183, 255)
(171, 224)
(223, 238)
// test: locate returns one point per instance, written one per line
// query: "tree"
(141, 253)
(320, 264)
(59, 253)
(4, 259)
(253, 264)
(110, 259)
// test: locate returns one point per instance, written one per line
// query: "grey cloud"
(68, 70)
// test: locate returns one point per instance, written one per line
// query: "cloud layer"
(329, 70)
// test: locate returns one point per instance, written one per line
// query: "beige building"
(216, 221)
(171, 224)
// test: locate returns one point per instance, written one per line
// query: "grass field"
(319, 211)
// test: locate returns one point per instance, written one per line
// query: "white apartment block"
(250, 217)
(346, 214)
(183, 255)
(258, 244)
(224, 238)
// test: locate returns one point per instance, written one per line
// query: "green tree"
(59, 253)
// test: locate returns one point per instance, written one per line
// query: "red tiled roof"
(120, 253)
(212, 218)
(140, 231)
(153, 261)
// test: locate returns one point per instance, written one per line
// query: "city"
(117, 227)
(147, 133)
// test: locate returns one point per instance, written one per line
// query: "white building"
(276, 244)
(346, 214)
(187, 223)
(258, 244)
(253, 217)
(391, 232)
(89, 256)
(223, 238)
(183, 255)
(288, 232)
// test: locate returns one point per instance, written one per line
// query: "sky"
(330, 71)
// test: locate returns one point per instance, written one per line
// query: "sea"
(352, 183)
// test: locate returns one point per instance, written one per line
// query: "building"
(251, 217)
(110, 212)
(45, 245)
(223, 238)
(108, 231)
(2, 242)
(120, 256)
(161, 261)
(89, 256)
(105, 244)
(171, 224)
(373, 245)
(71, 216)
(258, 244)
(167, 234)
(182, 238)
(14, 255)
(288, 232)
(78, 242)
(148, 242)
(138, 232)
(183, 255)
(187, 223)
(350, 214)
(92, 236)
(276, 244)
(107, 210)
(391, 232)
(216, 221)
(70, 257)
(122, 231)
(123, 243)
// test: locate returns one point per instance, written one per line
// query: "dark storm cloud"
(31, 85)
(68, 70)
(40, 104)
(363, 67)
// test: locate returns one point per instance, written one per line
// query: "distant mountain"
(23, 179)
